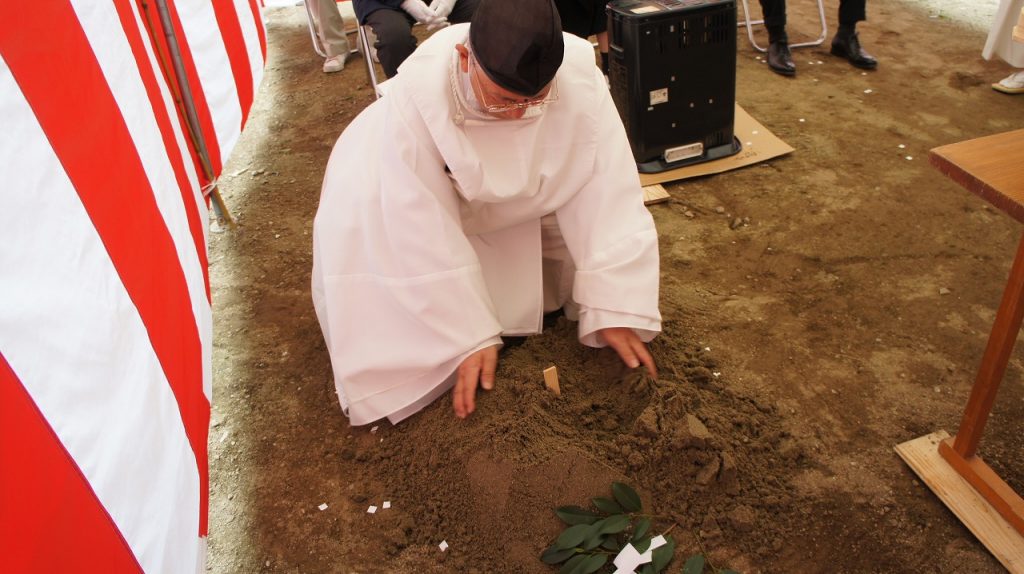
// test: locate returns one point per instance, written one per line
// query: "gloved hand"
(442, 7)
(418, 10)
(437, 24)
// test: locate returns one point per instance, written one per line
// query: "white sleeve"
(612, 239)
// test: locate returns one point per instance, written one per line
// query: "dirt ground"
(847, 315)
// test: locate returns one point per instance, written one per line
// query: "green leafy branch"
(594, 537)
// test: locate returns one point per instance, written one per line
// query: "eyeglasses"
(498, 108)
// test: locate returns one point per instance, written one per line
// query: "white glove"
(418, 10)
(437, 24)
(442, 7)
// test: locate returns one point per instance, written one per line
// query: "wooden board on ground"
(551, 380)
(655, 194)
(758, 143)
(1001, 539)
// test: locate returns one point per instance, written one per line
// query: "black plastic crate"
(672, 70)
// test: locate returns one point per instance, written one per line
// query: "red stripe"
(163, 120)
(259, 28)
(99, 156)
(50, 518)
(198, 96)
(238, 56)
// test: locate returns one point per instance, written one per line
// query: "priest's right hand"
(475, 369)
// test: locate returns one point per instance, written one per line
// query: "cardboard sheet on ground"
(758, 143)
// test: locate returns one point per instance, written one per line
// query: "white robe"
(411, 273)
(1000, 36)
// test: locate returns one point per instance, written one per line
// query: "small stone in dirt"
(647, 423)
(719, 209)
(944, 291)
(688, 213)
(358, 497)
(736, 223)
(257, 173)
(728, 471)
(742, 518)
(707, 474)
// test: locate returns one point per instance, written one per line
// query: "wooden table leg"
(960, 451)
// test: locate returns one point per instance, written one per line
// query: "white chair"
(751, 23)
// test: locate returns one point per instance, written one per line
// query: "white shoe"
(334, 64)
(1012, 84)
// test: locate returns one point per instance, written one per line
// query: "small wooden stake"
(551, 380)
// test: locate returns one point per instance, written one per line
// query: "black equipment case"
(672, 70)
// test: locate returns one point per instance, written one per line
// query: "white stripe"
(214, 69)
(103, 28)
(251, 36)
(197, 287)
(75, 340)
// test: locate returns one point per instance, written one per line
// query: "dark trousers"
(393, 29)
(850, 12)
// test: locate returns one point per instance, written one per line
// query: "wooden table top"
(991, 167)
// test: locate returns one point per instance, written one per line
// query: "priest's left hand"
(475, 369)
(630, 348)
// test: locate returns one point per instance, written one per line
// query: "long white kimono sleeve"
(397, 286)
(612, 239)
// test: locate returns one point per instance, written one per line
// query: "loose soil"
(819, 309)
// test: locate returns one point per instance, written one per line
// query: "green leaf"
(572, 564)
(626, 496)
(694, 564)
(662, 555)
(594, 536)
(607, 505)
(576, 515)
(727, 571)
(647, 569)
(642, 544)
(615, 524)
(572, 536)
(641, 528)
(593, 563)
(611, 543)
(555, 555)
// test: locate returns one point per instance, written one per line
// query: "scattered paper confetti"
(224, 436)
(371, 510)
(820, 62)
(443, 545)
(716, 374)
(802, 120)
(323, 506)
(754, 132)
(373, 430)
(868, 91)
(750, 144)
(863, 73)
(901, 146)
(707, 348)
(387, 504)
(910, 157)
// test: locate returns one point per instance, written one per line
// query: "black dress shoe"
(849, 47)
(780, 60)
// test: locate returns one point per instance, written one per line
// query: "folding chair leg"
(312, 30)
(751, 23)
(371, 71)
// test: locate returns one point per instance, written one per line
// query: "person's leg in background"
(780, 60)
(463, 11)
(330, 28)
(393, 29)
(1006, 41)
(846, 44)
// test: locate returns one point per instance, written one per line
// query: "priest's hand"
(630, 348)
(477, 368)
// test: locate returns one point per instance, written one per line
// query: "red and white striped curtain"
(105, 317)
